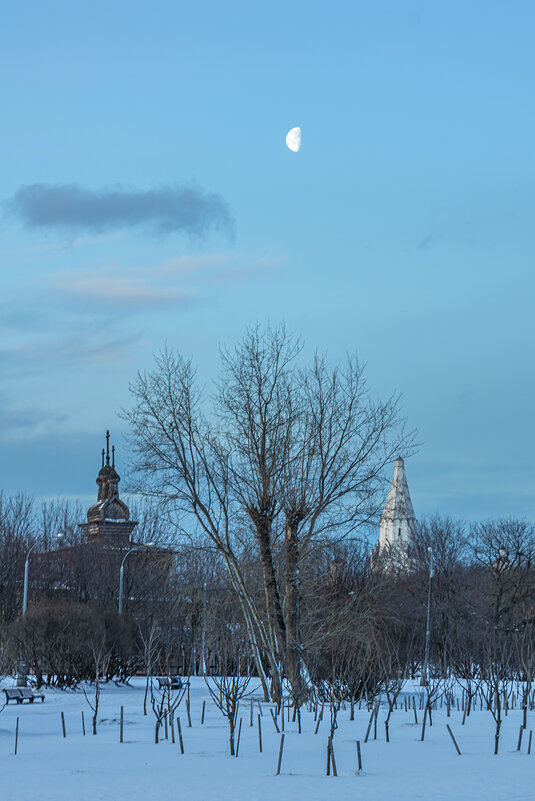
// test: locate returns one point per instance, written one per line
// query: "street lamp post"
(22, 678)
(425, 671)
(121, 572)
(25, 591)
(203, 632)
(26, 569)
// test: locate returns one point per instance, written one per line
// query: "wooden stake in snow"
(369, 725)
(83, 723)
(202, 713)
(260, 708)
(16, 736)
(359, 757)
(423, 725)
(189, 716)
(333, 761)
(122, 725)
(172, 724)
(180, 740)
(520, 733)
(274, 719)
(414, 708)
(238, 740)
(453, 738)
(529, 741)
(251, 714)
(63, 724)
(335, 772)
(320, 717)
(259, 734)
(165, 725)
(280, 755)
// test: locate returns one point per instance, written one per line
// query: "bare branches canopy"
(280, 455)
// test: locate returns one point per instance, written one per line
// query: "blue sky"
(403, 228)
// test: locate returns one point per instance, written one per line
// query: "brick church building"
(88, 570)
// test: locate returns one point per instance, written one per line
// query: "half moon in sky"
(293, 139)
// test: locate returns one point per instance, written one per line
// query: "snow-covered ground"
(49, 767)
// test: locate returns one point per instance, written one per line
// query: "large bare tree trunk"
(257, 633)
(273, 603)
(292, 604)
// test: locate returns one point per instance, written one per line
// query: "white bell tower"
(398, 522)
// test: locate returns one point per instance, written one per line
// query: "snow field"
(49, 767)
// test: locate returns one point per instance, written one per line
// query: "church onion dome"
(108, 505)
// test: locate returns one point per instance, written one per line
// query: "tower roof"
(398, 503)
(108, 505)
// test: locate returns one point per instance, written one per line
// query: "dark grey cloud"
(165, 209)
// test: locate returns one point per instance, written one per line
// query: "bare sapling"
(149, 652)
(393, 674)
(433, 691)
(468, 679)
(164, 703)
(101, 660)
(525, 646)
(226, 691)
(495, 681)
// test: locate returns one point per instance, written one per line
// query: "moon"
(293, 139)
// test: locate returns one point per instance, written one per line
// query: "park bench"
(21, 694)
(30, 695)
(170, 682)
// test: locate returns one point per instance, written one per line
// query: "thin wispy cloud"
(119, 291)
(68, 348)
(191, 263)
(218, 267)
(174, 282)
(66, 244)
(239, 272)
(18, 423)
(103, 314)
(166, 209)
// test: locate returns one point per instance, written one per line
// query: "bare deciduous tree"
(289, 452)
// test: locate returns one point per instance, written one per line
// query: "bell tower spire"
(398, 521)
(109, 517)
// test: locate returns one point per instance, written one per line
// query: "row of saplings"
(64, 645)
